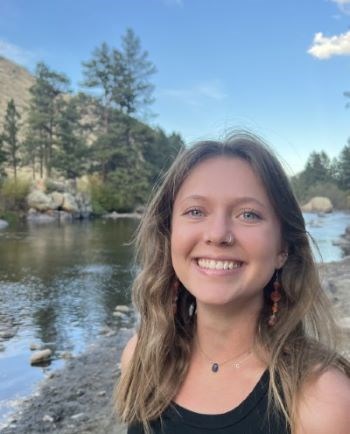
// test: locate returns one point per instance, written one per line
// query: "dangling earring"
(191, 309)
(275, 297)
(175, 293)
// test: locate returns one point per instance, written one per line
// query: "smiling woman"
(235, 331)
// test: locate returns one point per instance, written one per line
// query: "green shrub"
(123, 192)
(13, 194)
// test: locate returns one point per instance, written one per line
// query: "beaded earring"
(275, 297)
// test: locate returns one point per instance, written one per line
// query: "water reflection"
(58, 286)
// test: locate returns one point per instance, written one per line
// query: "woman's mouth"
(211, 264)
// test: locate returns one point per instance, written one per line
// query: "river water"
(59, 285)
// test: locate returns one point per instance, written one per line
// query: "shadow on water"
(59, 286)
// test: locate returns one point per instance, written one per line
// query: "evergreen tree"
(136, 88)
(318, 168)
(104, 74)
(123, 75)
(10, 135)
(45, 105)
(3, 157)
(70, 154)
(344, 167)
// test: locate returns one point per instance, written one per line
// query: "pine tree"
(136, 91)
(10, 136)
(318, 168)
(344, 167)
(45, 105)
(70, 155)
(3, 157)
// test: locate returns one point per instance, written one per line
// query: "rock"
(8, 333)
(34, 346)
(66, 355)
(107, 331)
(69, 203)
(119, 315)
(3, 224)
(101, 393)
(48, 418)
(78, 416)
(41, 356)
(39, 200)
(122, 308)
(318, 204)
(57, 199)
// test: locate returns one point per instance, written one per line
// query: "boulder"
(318, 204)
(39, 201)
(3, 224)
(57, 199)
(69, 203)
(41, 356)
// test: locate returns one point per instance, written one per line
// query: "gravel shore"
(78, 398)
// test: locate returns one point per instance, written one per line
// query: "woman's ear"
(281, 259)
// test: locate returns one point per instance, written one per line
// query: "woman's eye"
(250, 215)
(194, 212)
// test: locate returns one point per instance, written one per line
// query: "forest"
(96, 132)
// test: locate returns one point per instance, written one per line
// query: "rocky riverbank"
(78, 398)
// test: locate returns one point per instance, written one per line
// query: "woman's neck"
(221, 335)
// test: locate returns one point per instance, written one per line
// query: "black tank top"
(250, 417)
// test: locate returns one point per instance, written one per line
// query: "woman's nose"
(219, 231)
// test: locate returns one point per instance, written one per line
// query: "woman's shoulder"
(128, 353)
(324, 404)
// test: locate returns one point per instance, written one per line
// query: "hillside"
(15, 82)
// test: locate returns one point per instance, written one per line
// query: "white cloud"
(17, 54)
(324, 47)
(212, 90)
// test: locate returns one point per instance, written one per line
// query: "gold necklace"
(236, 361)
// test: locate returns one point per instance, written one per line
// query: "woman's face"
(222, 198)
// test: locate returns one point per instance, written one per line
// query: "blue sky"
(278, 68)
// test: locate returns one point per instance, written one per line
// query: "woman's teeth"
(210, 264)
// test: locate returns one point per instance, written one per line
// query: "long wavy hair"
(303, 344)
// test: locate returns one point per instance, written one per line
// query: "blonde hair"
(304, 343)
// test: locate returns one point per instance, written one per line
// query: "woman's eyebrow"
(237, 201)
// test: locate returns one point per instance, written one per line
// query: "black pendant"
(215, 367)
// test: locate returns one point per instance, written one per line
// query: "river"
(59, 285)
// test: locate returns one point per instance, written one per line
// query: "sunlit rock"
(122, 308)
(318, 204)
(69, 203)
(41, 356)
(57, 199)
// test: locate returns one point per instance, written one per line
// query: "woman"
(235, 332)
